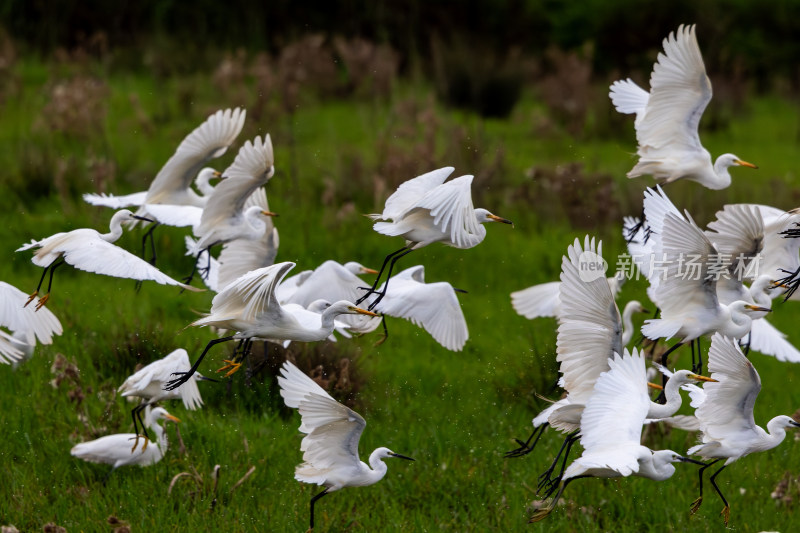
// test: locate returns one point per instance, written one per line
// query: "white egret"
(424, 210)
(116, 449)
(667, 118)
(686, 294)
(330, 447)
(89, 250)
(433, 306)
(726, 415)
(611, 431)
(224, 217)
(249, 307)
(172, 184)
(148, 385)
(26, 325)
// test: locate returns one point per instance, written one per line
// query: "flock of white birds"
(719, 282)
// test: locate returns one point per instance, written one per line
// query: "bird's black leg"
(696, 504)
(526, 447)
(43, 300)
(726, 511)
(313, 501)
(385, 331)
(745, 345)
(378, 277)
(699, 368)
(661, 397)
(184, 376)
(149, 234)
(188, 279)
(633, 230)
(553, 483)
(792, 282)
(137, 417)
(542, 513)
(39, 286)
(544, 478)
(386, 283)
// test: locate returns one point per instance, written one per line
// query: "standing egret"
(116, 449)
(726, 415)
(224, 216)
(26, 325)
(330, 447)
(249, 307)
(148, 384)
(89, 250)
(667, 118)
(611, 431)
(424, 210)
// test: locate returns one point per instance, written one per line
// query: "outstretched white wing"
(10, 348)
(116, 202)
(209, 140)
(679, 93)
(767, 339)
(41, 324)
(252, 294)
(738, 233)
(410, 192)
(332, 430)
(537, 300)
(451, 207)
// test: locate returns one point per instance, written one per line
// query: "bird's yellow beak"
(218, 174)
(758, 308)
(698, 377)
(269, 214)
(365, 270)
(744, 163)
(172, 418)
(362, 311)
(779, 284)
(499, 219)
(655, 386)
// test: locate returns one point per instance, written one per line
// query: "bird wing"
(178, 216)
(252, 168)
(617, 409)
(330, 281)
(190, 393)
(41, 324)
(332, 429)
(116, 202)
(679, 93)
(591, 330)
(628, 97)
(728, 408)
(779, 253)
(434, 306)
(85, 251)
(9, 348)
(209, 140)
(410, 192)
(450, 205)
(738, 232)
(538, 300)
(767, 339)
(252, 294)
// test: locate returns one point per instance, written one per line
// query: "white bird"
(687, 292)
(148, 385)
(433, 306)
(26, 325)
(668, 117)
(172, 184)
(424, 210)
(89, 250)
(588, 337)
(116, 449)
(249, 307)
(726, 415)
(542, 300)
(330, 447)
(611, 431)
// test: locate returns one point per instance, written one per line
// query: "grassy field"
(455, 413)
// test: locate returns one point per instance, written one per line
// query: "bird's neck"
(673, 395)
(378, 466)
(775, 434)
(161, 436)
(115, 233)
(627, 325)
(723, 177)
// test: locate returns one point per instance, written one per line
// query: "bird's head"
(386, 452)
(686, 376)
(159, 413)
(343, 307)
(484, 216)
(357, 268)
(731, 160)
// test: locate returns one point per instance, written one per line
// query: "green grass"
(455, 413)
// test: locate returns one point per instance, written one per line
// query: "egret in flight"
(330, 447)
(26, 325)
(424, 210)
(89, 250)
(726, 418)
(668, 116)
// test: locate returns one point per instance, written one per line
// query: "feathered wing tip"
(628, 97)
(296, 385)
(34, 243)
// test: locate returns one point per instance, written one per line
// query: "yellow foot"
(32, 295)
(726, 514)
(696, 504)
(381, 340)
(540, 514)
(136, 442)
(232, 365)
(42, 301)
